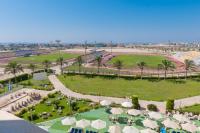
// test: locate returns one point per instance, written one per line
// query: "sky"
(99, 20)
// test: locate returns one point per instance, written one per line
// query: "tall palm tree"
(14, 68)
(60, 61)
(118, 64)
(80, 62)
(159, 67)
(141, 66)
(99, 60)
(46, 64)
(32, 67)
(166, 66)
(189, 64)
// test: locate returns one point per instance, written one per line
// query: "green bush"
(51, 95)
(33, 117)
(135, 102)
(152, 107)
(170, 105)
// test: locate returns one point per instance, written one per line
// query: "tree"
(32, 67)
(14, 68)
(135, 102)
(159, 67)
(189, 64)
(170, 105)
(99, 60)
(141, 66)
(46, 64)
(60, 61)
(166, 64)
(80, 62)
(118, 64)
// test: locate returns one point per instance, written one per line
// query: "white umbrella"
(134, 112)
(116, 111)
(98, 124)
(68, 121)
(170, 124)
(151, 124)
(181, 118)
(82, 123)
(147, 131)
(127, 104)
(105, 103)
(130, 129)
(189, 127)
(155, 115)
(114, 129)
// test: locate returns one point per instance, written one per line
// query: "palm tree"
(141, 66)
(189, 64)
(118, 64)
(60, 61)
(14, 68)
(166, 64)
(46, 64)
(159, 67)
(32, 67)
(99, 60)
(80, 62)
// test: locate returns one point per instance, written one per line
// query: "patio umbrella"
(170, 124)
(114, 129)
(189, 127)
(105, 103)
(155, 115)
(150, 124)
(147, 131)
(98, 124)
(116, 111)
(130, 129)
(68, 121)
(134, 112)
(181, 118)
(83, 123)
(127, 104)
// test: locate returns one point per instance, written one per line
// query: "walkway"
(60, 87)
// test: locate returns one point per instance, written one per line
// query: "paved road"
(60, 87)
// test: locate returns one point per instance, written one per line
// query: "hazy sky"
(100, 20)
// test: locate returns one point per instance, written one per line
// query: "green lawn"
(40, 58)
(63, 103)
(194, 109)
(132, 60)
(37, 84)
(144, 89)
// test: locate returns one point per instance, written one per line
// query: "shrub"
(83, 109)
(51, 95)
(74, 106)
(33, 117)
(135, 102)
(170, 105)
(152, 107)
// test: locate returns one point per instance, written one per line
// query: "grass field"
(194, 109)
(40, 58)
(144, 89)
(132, 60)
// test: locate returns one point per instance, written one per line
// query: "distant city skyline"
(74, 21)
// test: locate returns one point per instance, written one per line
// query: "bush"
(83, 109)
(33, 117)
(170, 105)
(51, 95)
(152, 107)
(135, 102)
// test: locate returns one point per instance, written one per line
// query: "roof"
(10, 123)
